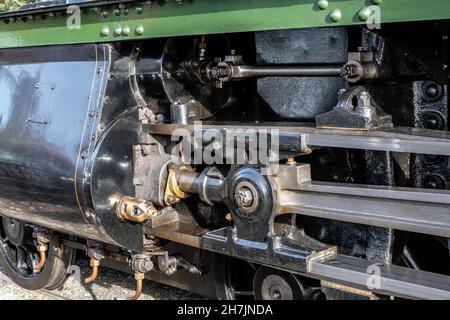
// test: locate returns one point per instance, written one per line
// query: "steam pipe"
(42, 248)
(138, 277)
(94, 263)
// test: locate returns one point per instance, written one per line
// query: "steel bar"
(239, 72)
(384, 279)
(414, 210)
(303, 136)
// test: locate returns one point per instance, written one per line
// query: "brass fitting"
(135, 210)
(139, 277)
(94, 263)
(173, 193)
(229, 217)
(42, 249)
(291, 161)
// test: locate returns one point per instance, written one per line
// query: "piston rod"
(247, 71)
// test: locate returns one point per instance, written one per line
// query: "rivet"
(322, 4)
(118, 31)
(126, 30)
(105, 31)
(377, 1)
(364, 14)
(140, 30)
(336, 15)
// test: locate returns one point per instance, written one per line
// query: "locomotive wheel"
(18, 256)
(271, 284)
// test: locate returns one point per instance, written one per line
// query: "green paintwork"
(211, 16)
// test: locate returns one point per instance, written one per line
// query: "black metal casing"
(65, 140)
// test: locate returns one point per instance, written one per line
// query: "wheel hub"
(275, 287)
(14, 230)
(271, 284)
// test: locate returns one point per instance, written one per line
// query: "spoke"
(21, 257)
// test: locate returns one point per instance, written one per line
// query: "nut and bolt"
(322, 4)
(291, 161)
(243, 197)
(171, 199)
(104, 32)
(139, 30)
(336, 15)
(364, 14)
(364, 100)
(433, 91)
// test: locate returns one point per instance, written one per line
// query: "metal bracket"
(355, 110)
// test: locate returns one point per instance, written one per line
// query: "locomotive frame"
(96, 123)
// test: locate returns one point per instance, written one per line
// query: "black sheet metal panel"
(52, 99)
(301, 97)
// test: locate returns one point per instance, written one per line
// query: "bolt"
(432, 91)
(126, 30)
(433, 121)
(336, 15)
(434, 182)
(148, 113)
(291, 161)
(322, 4)
(364, 100)
(364, 14)
(229, 217)
(171, 199)
(159, 118)
(138, 10)
(140, 30)
(104, 32)
(118, 31)
(151, 212)
(105, 14)
(243, 197)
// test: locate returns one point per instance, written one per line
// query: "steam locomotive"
(274, 150)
